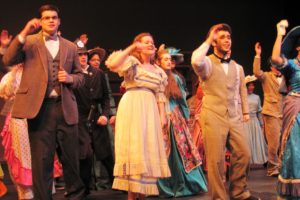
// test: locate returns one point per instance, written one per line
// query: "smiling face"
(49, 21)
(222, 43)
(149, 49)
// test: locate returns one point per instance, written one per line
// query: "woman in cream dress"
(139, 147)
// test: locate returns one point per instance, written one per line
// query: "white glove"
(281, 27)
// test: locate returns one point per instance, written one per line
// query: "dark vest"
(53, 67)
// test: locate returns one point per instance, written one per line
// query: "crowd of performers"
(61, 117)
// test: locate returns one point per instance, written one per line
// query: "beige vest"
(221, 91)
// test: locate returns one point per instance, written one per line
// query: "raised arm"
(201, 64)
(257, 62)
(14, 54)
(276, 53)
(119, 59)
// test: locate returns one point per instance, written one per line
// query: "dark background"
(183, 24)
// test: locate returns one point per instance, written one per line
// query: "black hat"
(81, 49)
(290, 43)
(97, 50)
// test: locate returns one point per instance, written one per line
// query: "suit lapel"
(63, 52)
(42, 51)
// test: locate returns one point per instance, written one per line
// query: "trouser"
(47, 132)
(220, 132)
(273, 133)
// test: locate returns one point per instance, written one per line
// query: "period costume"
(223, 106)
(139, 147)
(272, 113)
(184, 158)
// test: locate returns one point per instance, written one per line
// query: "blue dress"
(289, 177)
(184, 159)
(254, 134)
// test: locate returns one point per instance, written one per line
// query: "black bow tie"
(278, 75)
(223, 60)
(50, 37)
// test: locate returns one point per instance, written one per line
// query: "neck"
(50, 34)
(220, 54)
(146, 59)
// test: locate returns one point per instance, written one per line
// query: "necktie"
(51, 37)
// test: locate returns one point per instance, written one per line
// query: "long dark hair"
(172, 89)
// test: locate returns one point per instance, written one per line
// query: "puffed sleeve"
(129, 62)
(160, 94)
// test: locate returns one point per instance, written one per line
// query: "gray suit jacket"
(32, 90)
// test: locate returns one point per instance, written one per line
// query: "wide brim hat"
(101, 52)
(290, 42)
(250, 78)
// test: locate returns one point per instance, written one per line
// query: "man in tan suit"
(45, 98)
(224, 108)
(272, 110)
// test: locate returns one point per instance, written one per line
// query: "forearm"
(257, 67)
(276, 53)
(120, 58)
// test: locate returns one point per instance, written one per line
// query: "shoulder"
(68, 43)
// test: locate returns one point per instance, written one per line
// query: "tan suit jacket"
(32, 90)
(272, 98)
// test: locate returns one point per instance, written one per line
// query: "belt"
(140, 88)
(52, 99)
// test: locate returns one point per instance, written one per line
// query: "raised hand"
(30, 27)
(5, 39)
(213, 33)
(257, 49)
(281, 27)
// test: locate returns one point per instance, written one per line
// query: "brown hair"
(172, 89)
(137, 54)
(224, 27)
(47, 7)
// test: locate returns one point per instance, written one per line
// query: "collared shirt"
(85, 70)
(51, 45)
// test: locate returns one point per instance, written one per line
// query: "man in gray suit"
(272, 109)
(223, 110)
(45, 98)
